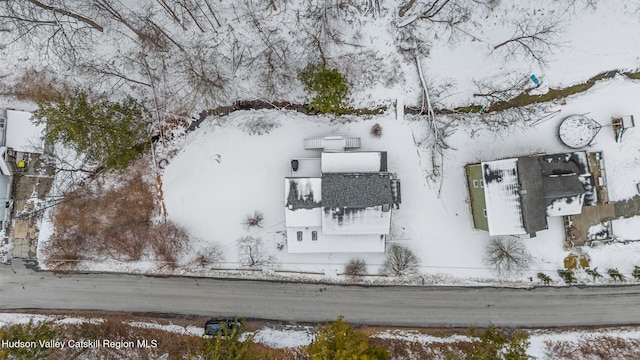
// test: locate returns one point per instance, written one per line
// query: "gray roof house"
(340, 202)
(518, 194)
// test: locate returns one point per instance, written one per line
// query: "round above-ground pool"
(577, 131)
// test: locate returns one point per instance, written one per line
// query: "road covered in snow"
(303, 302)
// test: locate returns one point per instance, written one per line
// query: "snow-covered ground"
(238, 173)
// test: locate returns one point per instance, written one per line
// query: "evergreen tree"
(227, 345)
(493, 344)
(328, 87)
(337, 341)
(108, 134)
(27, 333)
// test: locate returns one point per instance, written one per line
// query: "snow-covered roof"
(566, 206)
(352, 221)
(354, 162)
(504, 213)
(332, 243)
(303, 217)
(305, 193)
(22, 134)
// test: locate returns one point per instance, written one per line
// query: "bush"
(546, 279)
(636, 273)
(493, 344)
(507, 256)
(254, 220)
(376, 130)
(616, 275)
(355, 268)
(228, 344)
(327, 86)
(568, 276)
(593, 273)
(167, 240)
(337, 341)
(209, 255)
(400, 261)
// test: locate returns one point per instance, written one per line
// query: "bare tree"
(58, 30)
(533, 37)
(252, 253)
(400, 261)
(508, 256)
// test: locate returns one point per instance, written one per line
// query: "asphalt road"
(21, 288)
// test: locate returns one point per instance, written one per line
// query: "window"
(475, 183)
(481, 183)
(484, 212)
(314, 235)
(299, 234)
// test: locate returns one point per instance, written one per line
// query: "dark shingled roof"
(557, 187)
(534, 208)
(356, 190)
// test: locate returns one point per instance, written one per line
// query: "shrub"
(493, 344)
(228, 344)
(616, 275)
(338, 341)
(593, 273)
(636, 273)
(167, 240)
(376, 130)
(546, 279)
(209, 255)
(355, 268)
(400, 261)
(507, 256)
(254, 220)
(327, 86)
(568, 276)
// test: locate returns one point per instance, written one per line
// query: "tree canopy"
(109, 134)
(337, 341)
(328, 87)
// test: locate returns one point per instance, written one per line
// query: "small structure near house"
(622, 124)
(578, 131)
(514, 196)
(22, 174)
(340, 202)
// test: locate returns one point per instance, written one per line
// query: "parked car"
(214, 326)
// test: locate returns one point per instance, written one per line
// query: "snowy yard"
(238, 173)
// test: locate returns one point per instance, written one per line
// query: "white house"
(340, 202)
